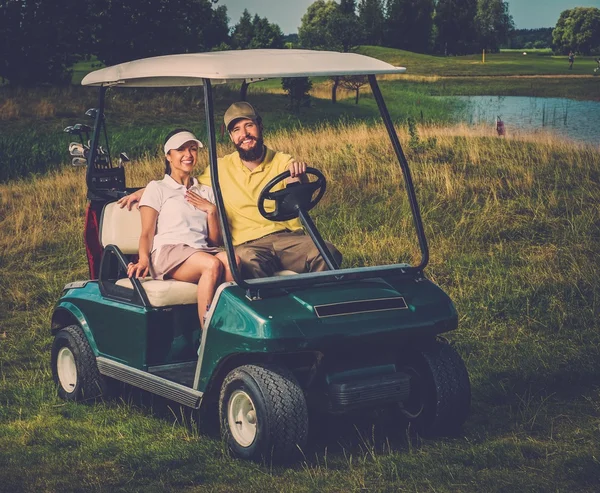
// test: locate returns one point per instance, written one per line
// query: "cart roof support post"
(410, 188)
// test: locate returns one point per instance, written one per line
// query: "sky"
(527, 14)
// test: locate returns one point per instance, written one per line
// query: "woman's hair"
(169, 135)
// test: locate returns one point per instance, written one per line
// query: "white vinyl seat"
(165, 293)
(122, 227)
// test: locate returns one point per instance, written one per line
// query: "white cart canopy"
(223, 66)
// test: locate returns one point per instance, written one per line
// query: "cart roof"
(222, 66)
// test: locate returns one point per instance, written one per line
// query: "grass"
(507, 73)
(31, 121)
(504, 63)
(513, 231)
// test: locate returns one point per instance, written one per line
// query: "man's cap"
(238, 110)
(180, 138)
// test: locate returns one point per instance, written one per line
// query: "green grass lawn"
(505, 63)
(84, 67)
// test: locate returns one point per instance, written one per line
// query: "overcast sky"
(527, 14)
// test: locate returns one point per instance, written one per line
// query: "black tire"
(271, 397)
(74, 367)
(440, 390)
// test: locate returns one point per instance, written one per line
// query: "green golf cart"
(336, 341)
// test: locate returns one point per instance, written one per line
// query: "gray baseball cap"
(238, 110)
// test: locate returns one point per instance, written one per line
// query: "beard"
(253, 154)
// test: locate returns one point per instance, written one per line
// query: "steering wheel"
(289, 200)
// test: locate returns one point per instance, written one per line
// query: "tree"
(297, 89)
(241, 36)
(577, 29)
(265, 34)
(531, 38)
(129, 30)
(315, 28)
(348, 7)
(218, 29)
(329, 26)
(372, 20)
(354, 83)
(39, 42)
(454, 21)
(256, 32)
(409, 24)
(494, 24)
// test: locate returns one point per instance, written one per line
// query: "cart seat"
(165, 293)
(122, 227)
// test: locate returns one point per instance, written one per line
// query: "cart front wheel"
(263, 413)
(440, 396)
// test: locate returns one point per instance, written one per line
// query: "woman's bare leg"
(204, 269)
(222, 256)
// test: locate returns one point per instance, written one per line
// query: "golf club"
(123, 158)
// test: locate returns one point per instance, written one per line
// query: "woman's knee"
(213, 267)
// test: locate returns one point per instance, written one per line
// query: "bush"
(297, 89)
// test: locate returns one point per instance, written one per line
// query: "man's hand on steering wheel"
(290, 200)
(297, 172)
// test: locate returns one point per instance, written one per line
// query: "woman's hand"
(140, 270)
(200, 203)
(131, 199)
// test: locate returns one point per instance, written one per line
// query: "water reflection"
(577, 120)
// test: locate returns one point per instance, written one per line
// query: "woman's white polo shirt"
(178, 221)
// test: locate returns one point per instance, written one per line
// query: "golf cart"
(336, 341)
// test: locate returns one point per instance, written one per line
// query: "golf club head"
(78, 152)
(92, 112)
(123, 158)
(73, 131)
(81, 127)
(79, 161)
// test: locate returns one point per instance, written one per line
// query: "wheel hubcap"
(66, 369)
(241, 417)
(413, 406)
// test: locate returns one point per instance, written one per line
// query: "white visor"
(180, 138)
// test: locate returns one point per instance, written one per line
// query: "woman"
(180, 227)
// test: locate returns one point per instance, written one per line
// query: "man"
(571, 60)
(263, 246)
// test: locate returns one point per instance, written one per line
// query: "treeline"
(450, 27)
(40, 41)
(530, 38)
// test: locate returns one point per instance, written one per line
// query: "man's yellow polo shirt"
(241, 187)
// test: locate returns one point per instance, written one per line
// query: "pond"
(576, 120)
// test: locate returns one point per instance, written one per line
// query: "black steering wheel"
(296, 196)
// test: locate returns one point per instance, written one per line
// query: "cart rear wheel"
(440, 397)
(74, 367)
(263, 413)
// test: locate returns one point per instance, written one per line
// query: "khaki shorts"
(168, 257)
